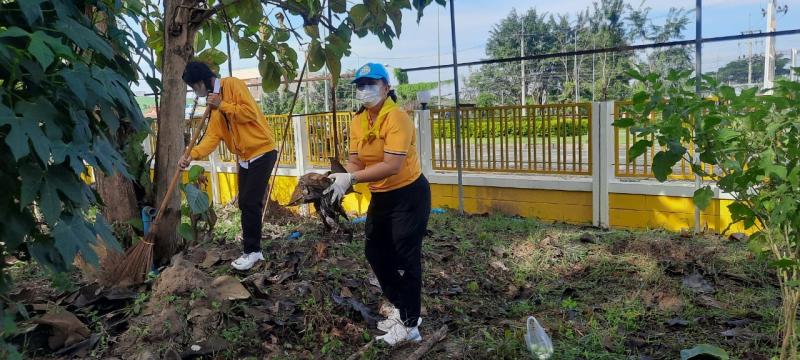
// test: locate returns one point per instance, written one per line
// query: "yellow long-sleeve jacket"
(239, 122)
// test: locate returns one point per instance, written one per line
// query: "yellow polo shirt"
(395, 135)
(243, 127)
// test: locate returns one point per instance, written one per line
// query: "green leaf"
(72, 235)
(359, 13)
(31, 176)
(194, 172)
(633, 73)
(338, 6)
(196, 199)
(784, 264)
(199, 41)
(702, 197)
(13, 32)
(102, 229)
(270, 75)
(316, 56)
(40, 51)
(638, 149)
(640, 97)
(250, 11)
(663, 162)
(185, 231)
(49, 202)
(85, 37)
(214, 35)
(624, 122)
(334, 65)
(704, 351)
(247, 48)
(281, 35)
(212, 56)
(32, 9)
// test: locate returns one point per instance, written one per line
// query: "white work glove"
(341, 182)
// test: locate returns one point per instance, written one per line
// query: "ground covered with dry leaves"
(600, 295)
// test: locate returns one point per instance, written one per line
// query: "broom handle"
(174, 181)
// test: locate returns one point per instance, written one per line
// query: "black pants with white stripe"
(397, 221)
(253, 183)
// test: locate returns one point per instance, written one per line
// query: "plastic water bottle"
(539, 343)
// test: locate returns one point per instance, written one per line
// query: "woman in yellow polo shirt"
(237, 120)
(383, 153)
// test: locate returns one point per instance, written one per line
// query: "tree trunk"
(116, 191)
(118, 196)
(178, 40)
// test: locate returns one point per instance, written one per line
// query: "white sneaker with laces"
(400, 333)
(247, 261)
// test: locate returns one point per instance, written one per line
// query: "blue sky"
(417, 45)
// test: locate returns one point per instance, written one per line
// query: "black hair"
(390, 94)
(197, 71)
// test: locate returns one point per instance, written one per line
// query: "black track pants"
(253, 183)
(396, 223)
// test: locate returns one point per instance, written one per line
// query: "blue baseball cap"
(371, 71)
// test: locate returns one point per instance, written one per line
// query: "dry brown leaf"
(346, 292)
(67, 329)
(229, 288)
(211, 259)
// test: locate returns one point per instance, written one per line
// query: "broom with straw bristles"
(138, 259)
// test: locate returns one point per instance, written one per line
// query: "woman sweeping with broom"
(383, 153)
(237, 120)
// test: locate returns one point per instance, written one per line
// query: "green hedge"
(485, 129)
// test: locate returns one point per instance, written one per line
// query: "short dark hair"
(197, 71)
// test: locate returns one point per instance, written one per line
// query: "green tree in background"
(736, 72)
(607, 23)
(401, 76)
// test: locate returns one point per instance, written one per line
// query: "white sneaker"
(247, 261)
(400, 333)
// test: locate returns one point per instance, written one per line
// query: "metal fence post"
(213, 160)
(423, 118)
(602, 160)
(597, 164)
(300, 152)
(610, 152)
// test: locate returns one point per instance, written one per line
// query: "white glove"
(341, 182)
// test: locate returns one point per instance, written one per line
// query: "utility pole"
(439, 59)
(794, 72)
(593, 79)
(522, 66)
(459, 166)
(575, 65)
(769, 53)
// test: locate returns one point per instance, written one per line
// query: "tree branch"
(213, 11)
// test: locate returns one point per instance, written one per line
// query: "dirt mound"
(182, 277)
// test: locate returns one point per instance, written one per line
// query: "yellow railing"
(319, 128)
(548, 139)
(275, 122)
(641, 167)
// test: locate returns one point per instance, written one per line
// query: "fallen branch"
(361, 351)
(428, 344)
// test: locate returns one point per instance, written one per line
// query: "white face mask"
(369, 96)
